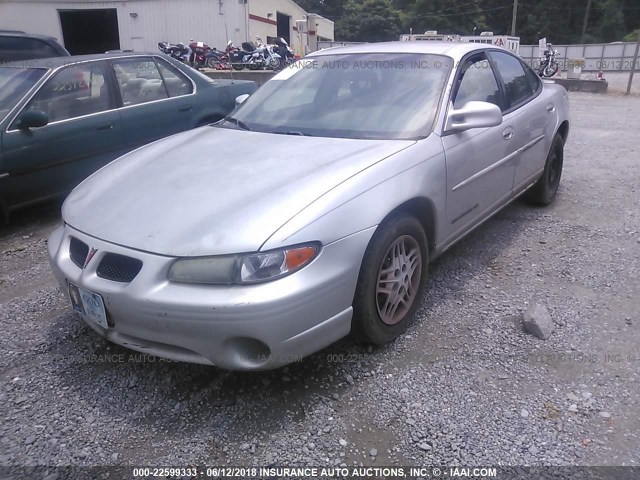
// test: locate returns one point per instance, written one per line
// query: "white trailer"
(505, 41)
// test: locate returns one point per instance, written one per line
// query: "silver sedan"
(313, 210)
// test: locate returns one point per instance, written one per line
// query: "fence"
(608, 57)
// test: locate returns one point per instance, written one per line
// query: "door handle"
(507, 134)
(107, 126)
(551, 108)
(186, 108)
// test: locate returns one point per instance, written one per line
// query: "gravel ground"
(464, 386)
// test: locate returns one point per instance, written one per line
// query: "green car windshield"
(14, 84)
(367, 96)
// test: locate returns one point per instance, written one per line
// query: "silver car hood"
(214, 191)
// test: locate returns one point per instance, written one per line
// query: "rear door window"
(139, 81)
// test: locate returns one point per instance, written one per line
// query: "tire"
(375, 319)
(544, 190)
(238, 67)
(274, 63)
(550, 70)
(212, 62)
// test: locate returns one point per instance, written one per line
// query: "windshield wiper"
(293, 132)
(237, 122)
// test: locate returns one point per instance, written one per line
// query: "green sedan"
(63, 118)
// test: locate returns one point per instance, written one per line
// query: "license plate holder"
(88, 304)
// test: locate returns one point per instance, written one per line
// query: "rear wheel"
(544, 190)
(212, 62)
(391, 281)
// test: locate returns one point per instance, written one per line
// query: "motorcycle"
(549, 65)
(177, 51)
(286, 53)
(218, 60)
(198, 56)
(265, 56)
(252, 57)
(239, 59)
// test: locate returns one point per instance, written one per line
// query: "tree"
(369, 21)
(611, 26)
(561, 22)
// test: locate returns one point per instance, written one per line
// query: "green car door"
(157, 99)
(68, 129)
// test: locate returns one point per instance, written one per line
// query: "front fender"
(366, 199)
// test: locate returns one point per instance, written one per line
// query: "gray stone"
(537, 321)
(524, 413)
(573, 397)
(605, 414)
(373, 452)
(30, 439)
(425, 447)
(343, 442)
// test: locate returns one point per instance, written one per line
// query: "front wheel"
(212, 62)
(544, 190)
(550, 70)
(391, 281)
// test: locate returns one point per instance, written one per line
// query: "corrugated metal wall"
(211, 21)
(608, 57)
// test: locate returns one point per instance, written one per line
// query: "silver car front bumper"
(248, 327)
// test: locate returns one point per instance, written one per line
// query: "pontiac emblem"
(90, 255)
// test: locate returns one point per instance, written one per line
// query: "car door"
(478, 161)
(522, 89)
(157, 99)
(82, 134)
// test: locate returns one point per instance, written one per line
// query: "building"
(269, 19)
(95, 26)
(510, 43)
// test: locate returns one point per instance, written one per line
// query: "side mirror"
(240, 99)
(32, 119)
(474, 114)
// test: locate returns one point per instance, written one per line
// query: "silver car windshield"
(380, 96)
(14, 83)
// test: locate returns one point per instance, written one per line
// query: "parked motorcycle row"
(252, 56)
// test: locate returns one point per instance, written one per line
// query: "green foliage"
(369, 21)
(560, 22)
(633, 36)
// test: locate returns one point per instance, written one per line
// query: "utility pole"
(633, 65)
(585, 22)
(513, 20)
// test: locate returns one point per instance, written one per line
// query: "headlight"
(240, 269)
